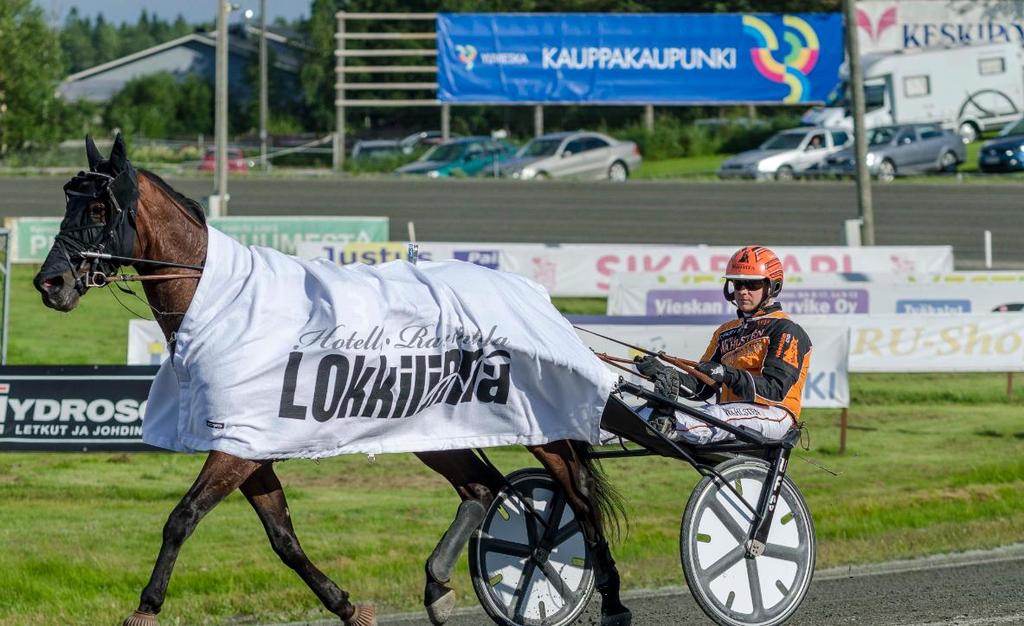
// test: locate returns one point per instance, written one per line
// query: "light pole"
(264, 105)
(864, 201)
(221, 109)
(249, 13)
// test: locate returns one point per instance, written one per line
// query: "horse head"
(99, 217)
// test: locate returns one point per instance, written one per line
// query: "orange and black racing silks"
(765, 357)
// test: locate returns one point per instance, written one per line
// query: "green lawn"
(683, 167)
(94, 333)
(925, 472)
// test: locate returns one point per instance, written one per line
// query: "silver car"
(904, 149)
(577, 154)
(786, 155)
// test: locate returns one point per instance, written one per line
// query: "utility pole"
(263, 84)
(856, 83)
(221, 116)
(339, 96)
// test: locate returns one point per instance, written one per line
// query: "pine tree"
(76, 42)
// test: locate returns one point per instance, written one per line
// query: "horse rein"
(95, 278)
(686, 365)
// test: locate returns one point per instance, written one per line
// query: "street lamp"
(220, 207)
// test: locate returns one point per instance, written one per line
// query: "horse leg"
(477, 484)
(221, 474)
(264, 492)
(569, 464)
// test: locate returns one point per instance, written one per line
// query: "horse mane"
(178, 197)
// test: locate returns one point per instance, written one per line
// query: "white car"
(579, 154)
(786, 154)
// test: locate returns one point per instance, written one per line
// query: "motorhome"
(968, 88)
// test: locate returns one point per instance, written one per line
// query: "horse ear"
(118, 155)
(92, 153)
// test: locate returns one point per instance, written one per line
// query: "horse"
(116, 215)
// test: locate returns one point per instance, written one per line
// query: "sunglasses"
(748, 285)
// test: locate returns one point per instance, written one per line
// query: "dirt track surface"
(636, 212)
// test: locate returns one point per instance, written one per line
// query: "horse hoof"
(364, 615)
(619, 619)
(440, 611)
(138, 618)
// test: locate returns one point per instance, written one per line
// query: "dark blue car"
(1005, 153)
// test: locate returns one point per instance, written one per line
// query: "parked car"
(424, 138)
(785, 154)
(467, 156)
(376, 149)
(906, 149)
(236, 161)
(578, 154)
(1005, 153)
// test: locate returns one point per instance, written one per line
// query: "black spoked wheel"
(732, 589)
(528, 572)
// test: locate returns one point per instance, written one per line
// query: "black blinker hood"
(116, 236)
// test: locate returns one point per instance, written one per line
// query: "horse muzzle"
(58, 290)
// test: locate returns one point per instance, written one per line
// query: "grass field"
(934, 463)
(682, 167)
(930, 467)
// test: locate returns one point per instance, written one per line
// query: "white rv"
(968, 88)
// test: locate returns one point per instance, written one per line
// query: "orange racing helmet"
(754, 263)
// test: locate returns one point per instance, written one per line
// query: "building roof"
(176, 56)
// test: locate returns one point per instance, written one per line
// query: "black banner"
(73, 408)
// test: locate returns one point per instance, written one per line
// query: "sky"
(118, 11)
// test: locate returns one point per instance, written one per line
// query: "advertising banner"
(146, 343)
(33, 236)
(73, 407)
(967, 343)
(700, 295)
(887, 25)
(587, 270)
(637, 58)
(827, 384)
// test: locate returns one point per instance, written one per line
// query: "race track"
(636, 212)
(973, 589)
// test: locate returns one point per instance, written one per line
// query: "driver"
(759, 360)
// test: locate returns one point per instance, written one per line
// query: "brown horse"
(139, 220)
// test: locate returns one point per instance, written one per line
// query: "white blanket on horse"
(279, 357)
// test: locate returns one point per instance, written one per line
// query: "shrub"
(674, 138)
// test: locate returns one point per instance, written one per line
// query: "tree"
(32, 65)
(159, 105)
(317, 75)
(76, 42)
(194, 107)
(105, 40)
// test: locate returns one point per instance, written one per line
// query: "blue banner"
(637, 58)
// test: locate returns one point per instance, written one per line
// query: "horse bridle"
(104, 254)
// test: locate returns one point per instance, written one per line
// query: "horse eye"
(96, 210)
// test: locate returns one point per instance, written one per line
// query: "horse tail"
(603, 494)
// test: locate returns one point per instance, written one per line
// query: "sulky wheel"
(732, 589)
(526, 574)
